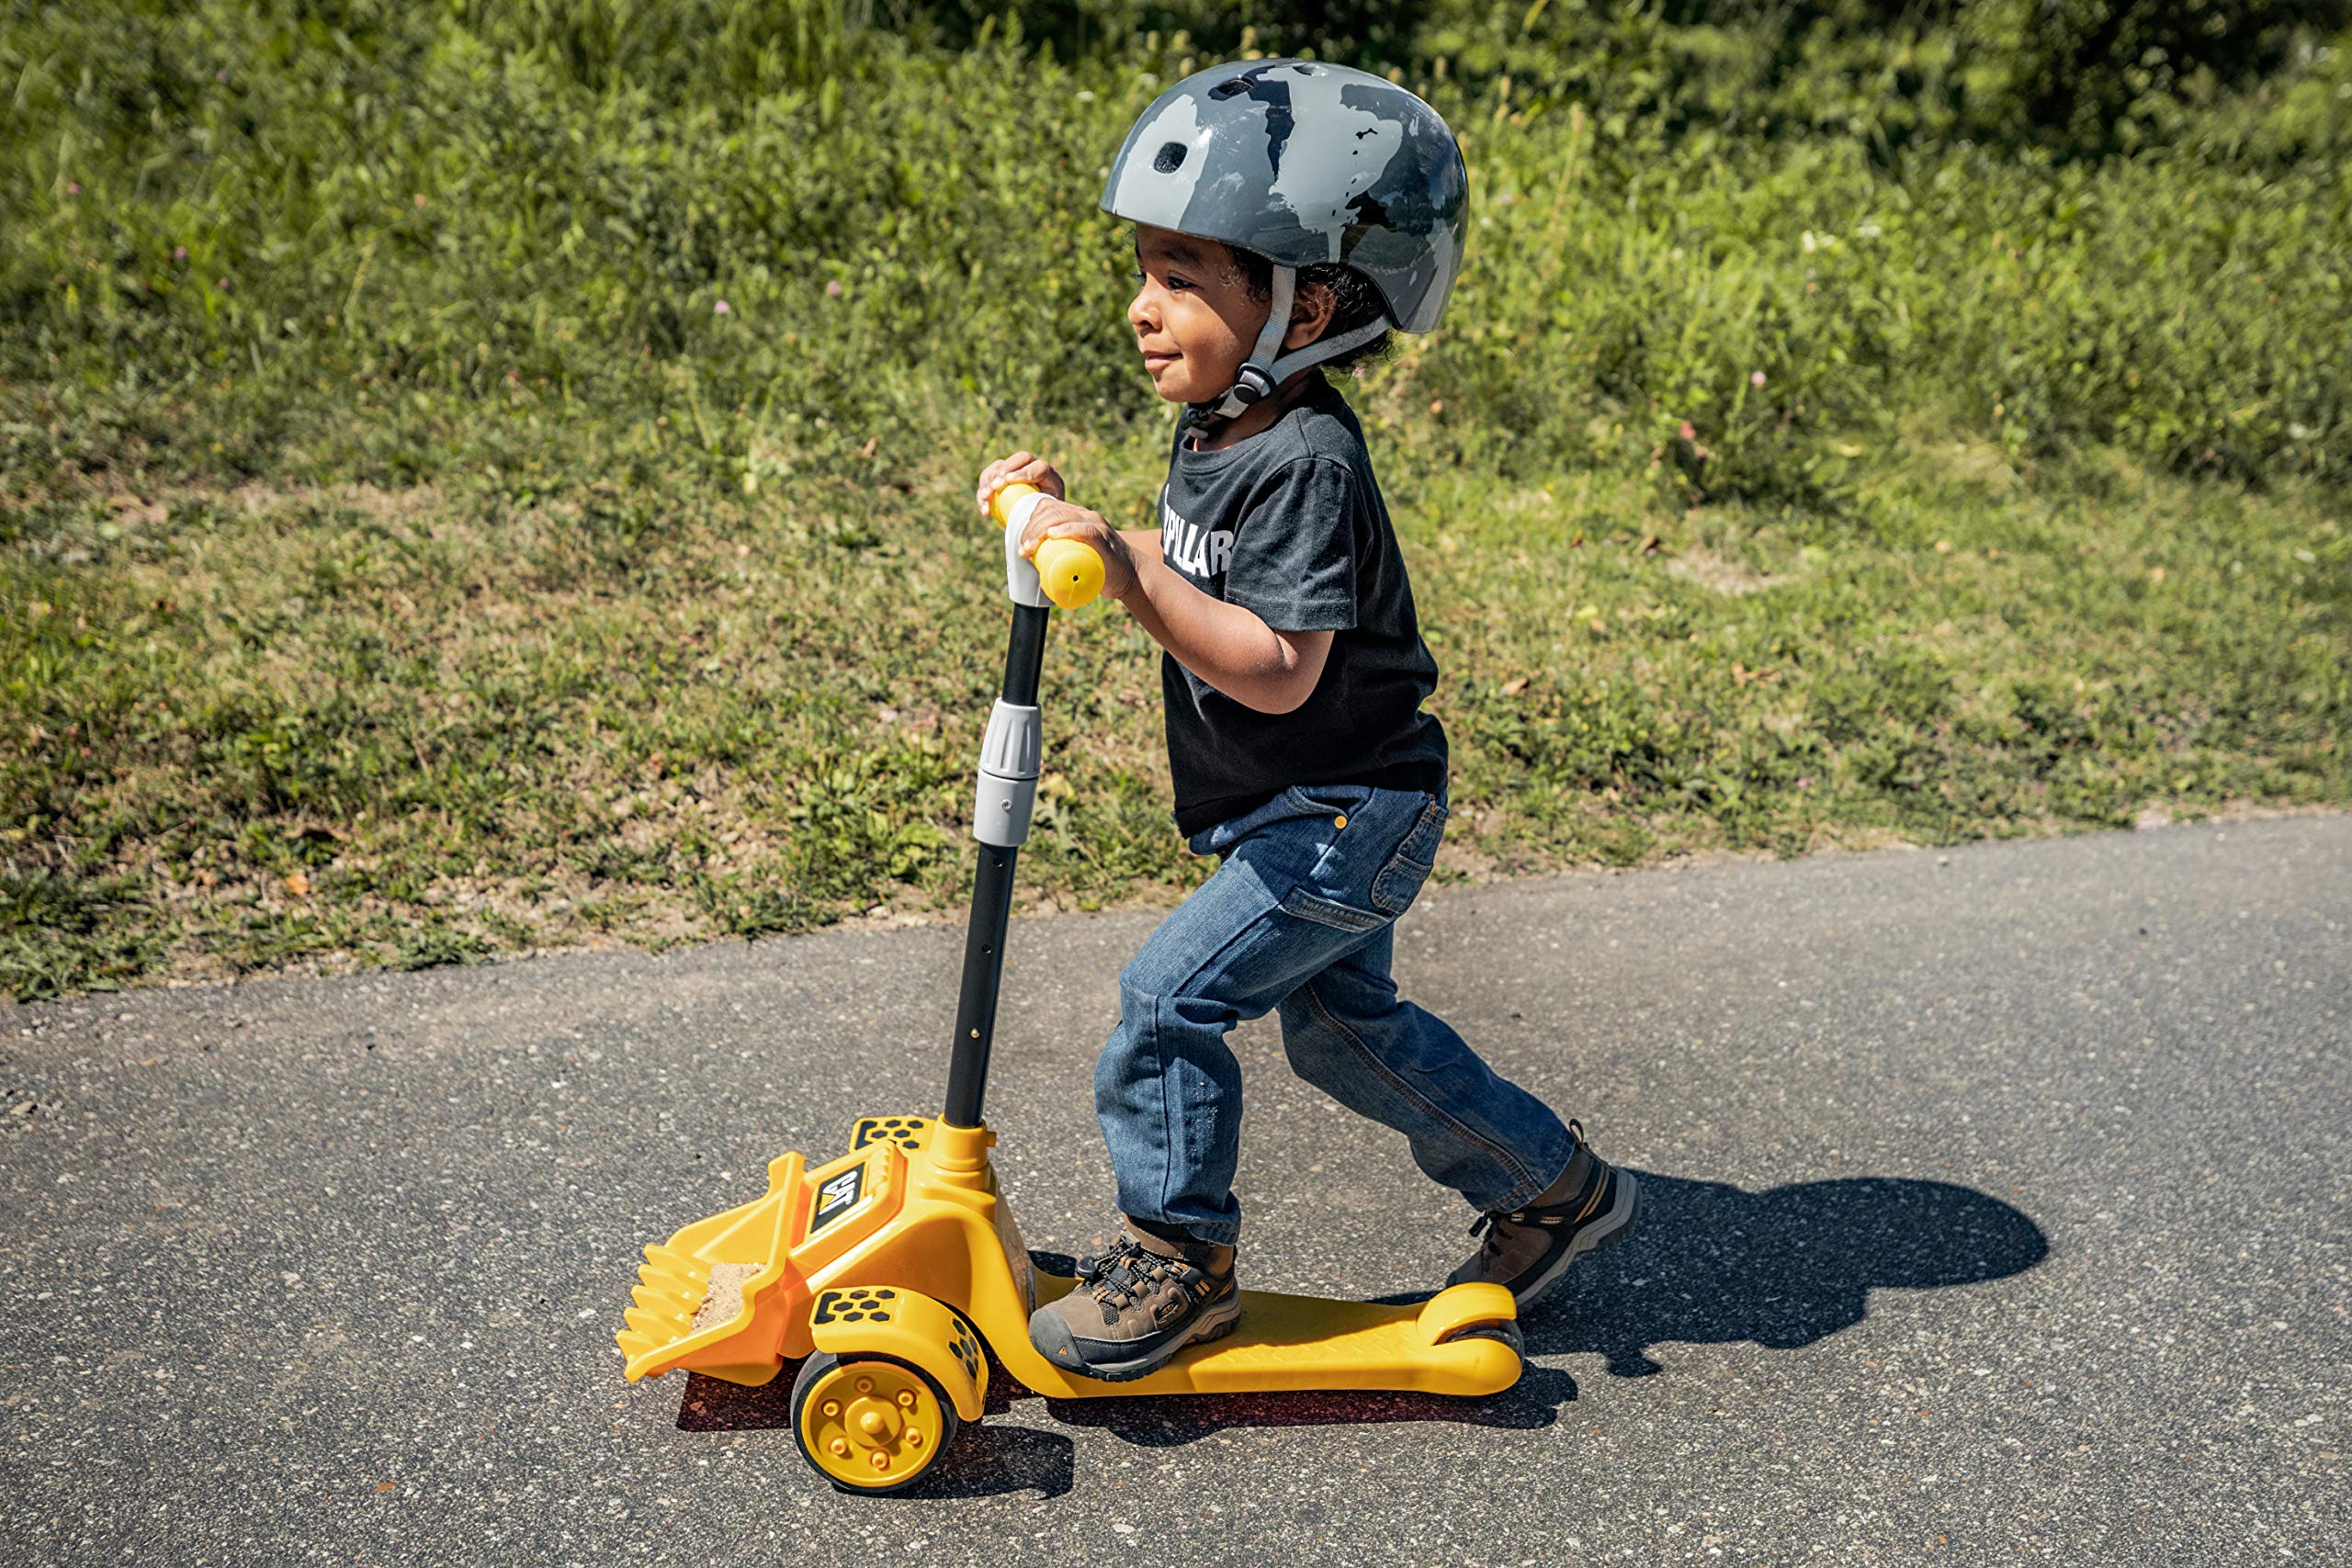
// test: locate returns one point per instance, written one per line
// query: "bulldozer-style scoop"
(717, 1296)
(730, 1295)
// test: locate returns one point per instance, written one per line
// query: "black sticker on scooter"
(965, 1351)
(837, 1198)
(852, 1306)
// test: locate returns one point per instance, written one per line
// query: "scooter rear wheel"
(869, 1423)
(1507, 1332)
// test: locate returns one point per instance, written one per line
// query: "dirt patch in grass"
(1704, 567)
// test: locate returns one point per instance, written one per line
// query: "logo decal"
(1196, 551)
(837, 1198)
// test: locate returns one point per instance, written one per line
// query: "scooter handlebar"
(1070, 572)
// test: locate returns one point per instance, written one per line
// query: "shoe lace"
(1119, 1278)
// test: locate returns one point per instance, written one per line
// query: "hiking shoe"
(1137, 1306)
(1591, 1208)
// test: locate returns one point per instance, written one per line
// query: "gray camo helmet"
(1304, 162)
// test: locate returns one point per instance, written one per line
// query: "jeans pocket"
(1399, 882)
(1324, 911)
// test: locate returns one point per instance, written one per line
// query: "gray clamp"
(1008, 785)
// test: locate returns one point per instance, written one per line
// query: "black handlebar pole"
(967, 1071)
(1025, 655)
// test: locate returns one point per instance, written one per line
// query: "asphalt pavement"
(1996, 1212)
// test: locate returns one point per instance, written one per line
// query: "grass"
(334, 727)
(478, 479)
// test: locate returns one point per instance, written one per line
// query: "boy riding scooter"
(1288, 216)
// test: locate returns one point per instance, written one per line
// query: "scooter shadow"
(1781, 1268)
(1710, 1264)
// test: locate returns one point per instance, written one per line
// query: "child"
(1288, 215)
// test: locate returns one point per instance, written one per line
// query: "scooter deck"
(1285, 1342)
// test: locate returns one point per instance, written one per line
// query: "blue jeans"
(1298, 917)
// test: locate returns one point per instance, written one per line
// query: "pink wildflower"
(179, 252)
(833, 290)
(1690, 431)
(720, 308)
(1756, 377)
(72, 188)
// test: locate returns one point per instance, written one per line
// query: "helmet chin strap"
(1267, 368)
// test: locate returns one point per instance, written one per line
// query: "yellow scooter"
(886, 1269)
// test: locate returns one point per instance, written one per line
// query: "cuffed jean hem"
(1527, 1194)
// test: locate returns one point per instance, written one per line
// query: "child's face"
(1193, 315)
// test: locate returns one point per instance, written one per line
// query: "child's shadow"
(1710, 1265)
(1782, 1267)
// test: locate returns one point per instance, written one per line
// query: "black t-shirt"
(1289, 525)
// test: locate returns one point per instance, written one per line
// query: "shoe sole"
(1614, 1227)
(1213, 1322)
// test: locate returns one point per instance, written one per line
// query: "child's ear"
(1310, 315)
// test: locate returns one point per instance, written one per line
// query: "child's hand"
(1052, 518)
(1022, 467)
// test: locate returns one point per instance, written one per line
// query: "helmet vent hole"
(1170, 158)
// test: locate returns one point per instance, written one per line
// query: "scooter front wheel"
(869, 1423)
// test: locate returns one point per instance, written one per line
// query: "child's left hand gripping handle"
(1070, 572)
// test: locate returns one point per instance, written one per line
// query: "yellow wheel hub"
(871, 1424)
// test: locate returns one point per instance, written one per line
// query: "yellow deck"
(1304, 1342)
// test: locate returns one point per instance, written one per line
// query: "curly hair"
(1355, 301)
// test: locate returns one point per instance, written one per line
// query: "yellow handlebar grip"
(1070, 572)
(1000, 503)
